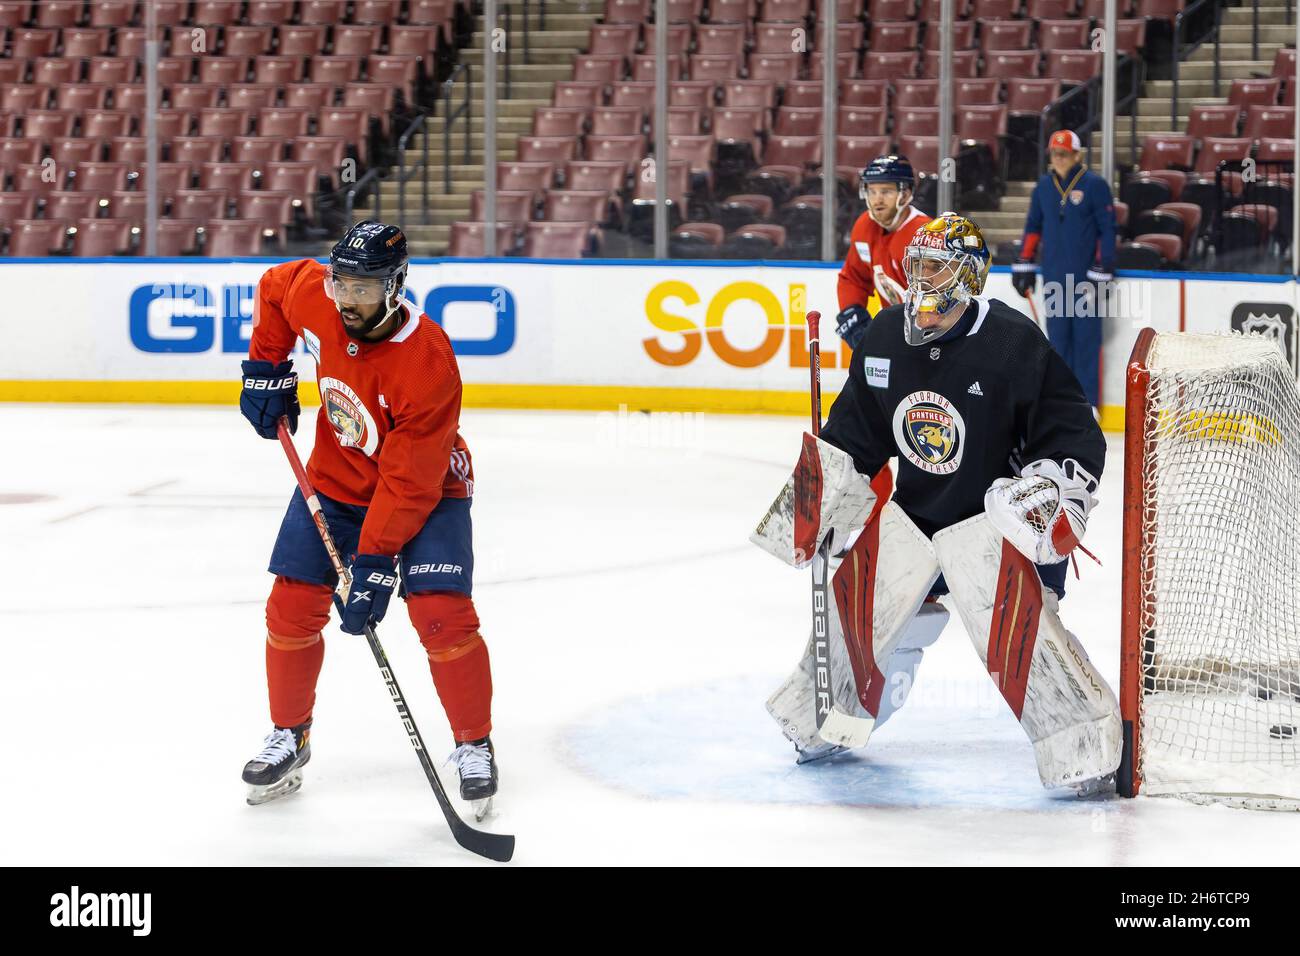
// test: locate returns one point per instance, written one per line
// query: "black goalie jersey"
(972, 406)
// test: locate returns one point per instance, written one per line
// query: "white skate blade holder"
(290, 783)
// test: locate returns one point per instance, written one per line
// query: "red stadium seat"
(36, 238)
(861, 121)
(226, 123)
(613, 39)
(787, 11)
(846, 65)
(534, 177)
(127, 149)
(730, 11)
(38, 178)
(721, 40)
(564, 121)
(1190, 214)
(129, 42)
(246, 41)
(1276, 150)
(21, 97)
(261, 151)
(1030, 96)
(994, 9)
(633, 93)
(299, 179)
(309, 96)
(721, 67)
(864, 92)
(965, 64)
(52, 71)
(627, 11)
(94, 177)
(1220, 149)
(111, 70)
(467, 239)
(891, 66)
(986, 125)
(232, 237)
(963, 36)
(321, 11)
(558, 240)
(987, 92)
(616, 121)
(779, 67)
(71, 205)
(19, 152)
(1171, 247)
(223, 69)
(1165, 152)
(576, 93)
(691, 93)
(412, 39)
(1130, 36)
(1009, 65)
(172, 178)
(274, 210)
(376, 11)
(563, 205)
(698, 153)
(200, 204)
(798, 121)
(338, 70)
(27, 44)
(326, 153)
(583, 175)
(270, 12)
(48, 124)
(788, 157)
(1063, 35)
(86, 42)
(545, 149)
(916, 122)
(17, 206)
(194, 96)
(1005, 35)
(288, 123)
(893, 37)
(176, 237)
(1270, 121)
(169, 12)
(356, 40)
(402, 72)
(852, 153)
(1048, 9)
(1247, 93)
(14, 13)
(1073, 66)
(232, 178)
(1212, 121)
(685, 11)
(776, 37)
(913, 94)
(629, 149)
(299, 40)
(1158, 9)
(251, 97)
(348, 121)
(111, 13)
(102, 237)
(170, 125)
(513, 205)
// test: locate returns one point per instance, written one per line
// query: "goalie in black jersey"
(998, 459)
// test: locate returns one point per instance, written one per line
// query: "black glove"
(270, 391)
(1024, 276)
(1101, 274)
(851, 324)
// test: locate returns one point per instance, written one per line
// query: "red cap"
(1064, 139)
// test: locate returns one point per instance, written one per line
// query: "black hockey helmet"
(374, 251)
(893, 168)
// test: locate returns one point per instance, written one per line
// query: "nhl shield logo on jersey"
(354, 426)
(930, 432)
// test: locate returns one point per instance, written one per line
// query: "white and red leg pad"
(874, 599)
(1040, 668)
(825, 495)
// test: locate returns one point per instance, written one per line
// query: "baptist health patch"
(877, 371)
(929, 432)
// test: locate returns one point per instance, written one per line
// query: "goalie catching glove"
(1044, 512)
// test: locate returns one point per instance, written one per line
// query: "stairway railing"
(451, 116)
(405, 172)
(1180, 25)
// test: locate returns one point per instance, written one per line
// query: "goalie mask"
(946, 264)
(365, 276)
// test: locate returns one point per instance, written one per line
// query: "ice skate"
(277, 770)
(1096, 788)
(476, 763)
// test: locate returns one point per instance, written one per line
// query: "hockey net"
(1210, 668)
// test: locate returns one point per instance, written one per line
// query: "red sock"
(296, 613)
(458, 659)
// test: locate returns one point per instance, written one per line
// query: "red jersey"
(873, 250)
(387, 434)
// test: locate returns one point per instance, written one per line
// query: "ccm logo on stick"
(435, 569)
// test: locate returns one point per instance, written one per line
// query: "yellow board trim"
(569, 397)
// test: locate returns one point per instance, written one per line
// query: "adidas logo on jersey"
(975, 389)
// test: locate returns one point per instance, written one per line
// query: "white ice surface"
(634, 636)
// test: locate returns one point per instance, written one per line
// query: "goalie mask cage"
(1210, 659)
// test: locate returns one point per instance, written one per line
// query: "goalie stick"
(494, 846)
(822, 557)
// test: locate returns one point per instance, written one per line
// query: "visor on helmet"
(355, 290)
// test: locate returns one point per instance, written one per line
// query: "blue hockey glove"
(851, 324)
(373, 580)
(270, 391)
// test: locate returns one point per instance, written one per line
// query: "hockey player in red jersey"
(872, 277)
(395, 482)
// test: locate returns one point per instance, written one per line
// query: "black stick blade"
(494, 846)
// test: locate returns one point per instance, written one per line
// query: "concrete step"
(1278, 34)
(1236, 16)
(524, 73)
(537, 40)
(1194, 70)
(1240, 51)
(522, 89)
(552, 56)
(1160, 106)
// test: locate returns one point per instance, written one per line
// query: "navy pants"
(1077, 338)
(439, 558)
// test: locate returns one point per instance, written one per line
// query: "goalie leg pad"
(1065, 707)
(872, 607)
(825, 495)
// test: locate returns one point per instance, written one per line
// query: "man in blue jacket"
(1071, 227)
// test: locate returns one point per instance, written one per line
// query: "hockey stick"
(822, 557)
(494, 846)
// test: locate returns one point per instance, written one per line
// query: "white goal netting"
(1220, 572)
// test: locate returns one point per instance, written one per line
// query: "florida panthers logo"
(929, 432)
(354, 426)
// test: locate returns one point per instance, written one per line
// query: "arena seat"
(467, 239)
